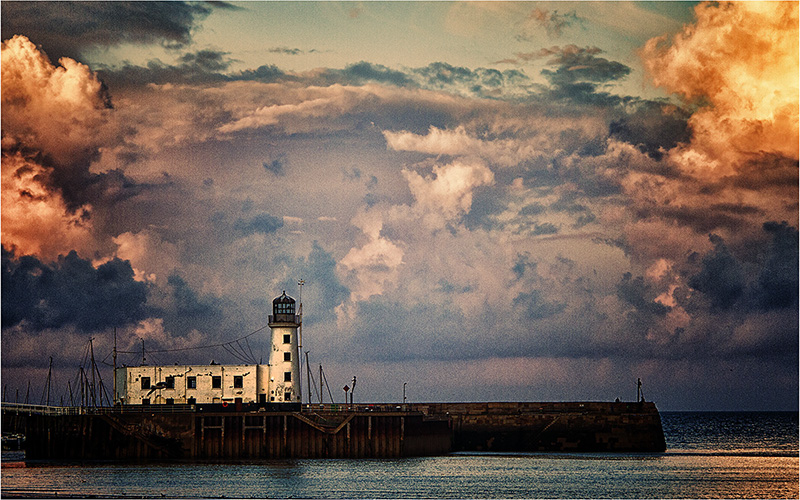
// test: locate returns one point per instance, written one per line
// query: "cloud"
(36, 221)
(552, 22)
(778, 279)
(458, 142)
(68, 29)
(70, 292)
(739, 63)
(371, 268)
(570, 222)
(290, 52)
(448, 191)
(260, 223)
(57, 120)
(59, 110)
(364, 71)
(276, 166)
(580, 65)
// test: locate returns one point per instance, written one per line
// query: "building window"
(191, 401)
(145, 383)
(287, 356)
(287, 339)
(287, 376)
(287, 396)
(262, 398)
(216, 382)
(146, 401)
(170, 401)
(170, 382)
(191, 382)
(238, 381)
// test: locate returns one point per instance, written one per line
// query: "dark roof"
(283, 299)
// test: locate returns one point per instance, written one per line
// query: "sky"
(486, 201)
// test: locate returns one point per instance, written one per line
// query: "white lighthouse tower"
(284, 358)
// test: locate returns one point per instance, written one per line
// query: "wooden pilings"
(239, 435)
(297, 436)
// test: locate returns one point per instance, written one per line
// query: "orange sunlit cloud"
(739, 62)
(36, 221)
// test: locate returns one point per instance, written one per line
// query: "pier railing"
(27, 409)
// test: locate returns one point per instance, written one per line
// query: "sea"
(709, 455)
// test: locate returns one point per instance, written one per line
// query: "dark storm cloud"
(202, 67)
(264, 73)
(261, 223)
(487, 201)
(99, 190)
(328, 291)
(721, 277)
(480, 81)
(68, 28)
(778, 281)
(577, 65)
(700, 219)
(653, 127)
(640, 295)
(364, 71)
(187, 305)
(206, 60)
(70, 291)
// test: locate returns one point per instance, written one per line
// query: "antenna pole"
(308, 376)
(300, 339)
(114, 396)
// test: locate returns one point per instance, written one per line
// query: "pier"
(333, 431)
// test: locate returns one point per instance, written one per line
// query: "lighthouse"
(284, 357)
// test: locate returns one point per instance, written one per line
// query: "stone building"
(276, 382)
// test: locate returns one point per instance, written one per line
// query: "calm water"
(710, 455)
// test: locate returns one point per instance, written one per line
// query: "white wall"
(129, 383)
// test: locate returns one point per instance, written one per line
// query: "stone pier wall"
(551, 426)
(364, 431)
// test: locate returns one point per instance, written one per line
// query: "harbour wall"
(235, 435)
(336, 431)
(551, 426)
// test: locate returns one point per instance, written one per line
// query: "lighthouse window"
(287, 356)
(191, 382)
(216, 382)
(238, 381)
(287, 376)
(170, 381)
(287, 339)
(145, 383)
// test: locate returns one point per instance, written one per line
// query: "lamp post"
(404, 395)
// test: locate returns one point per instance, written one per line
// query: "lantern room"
(283, 310)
